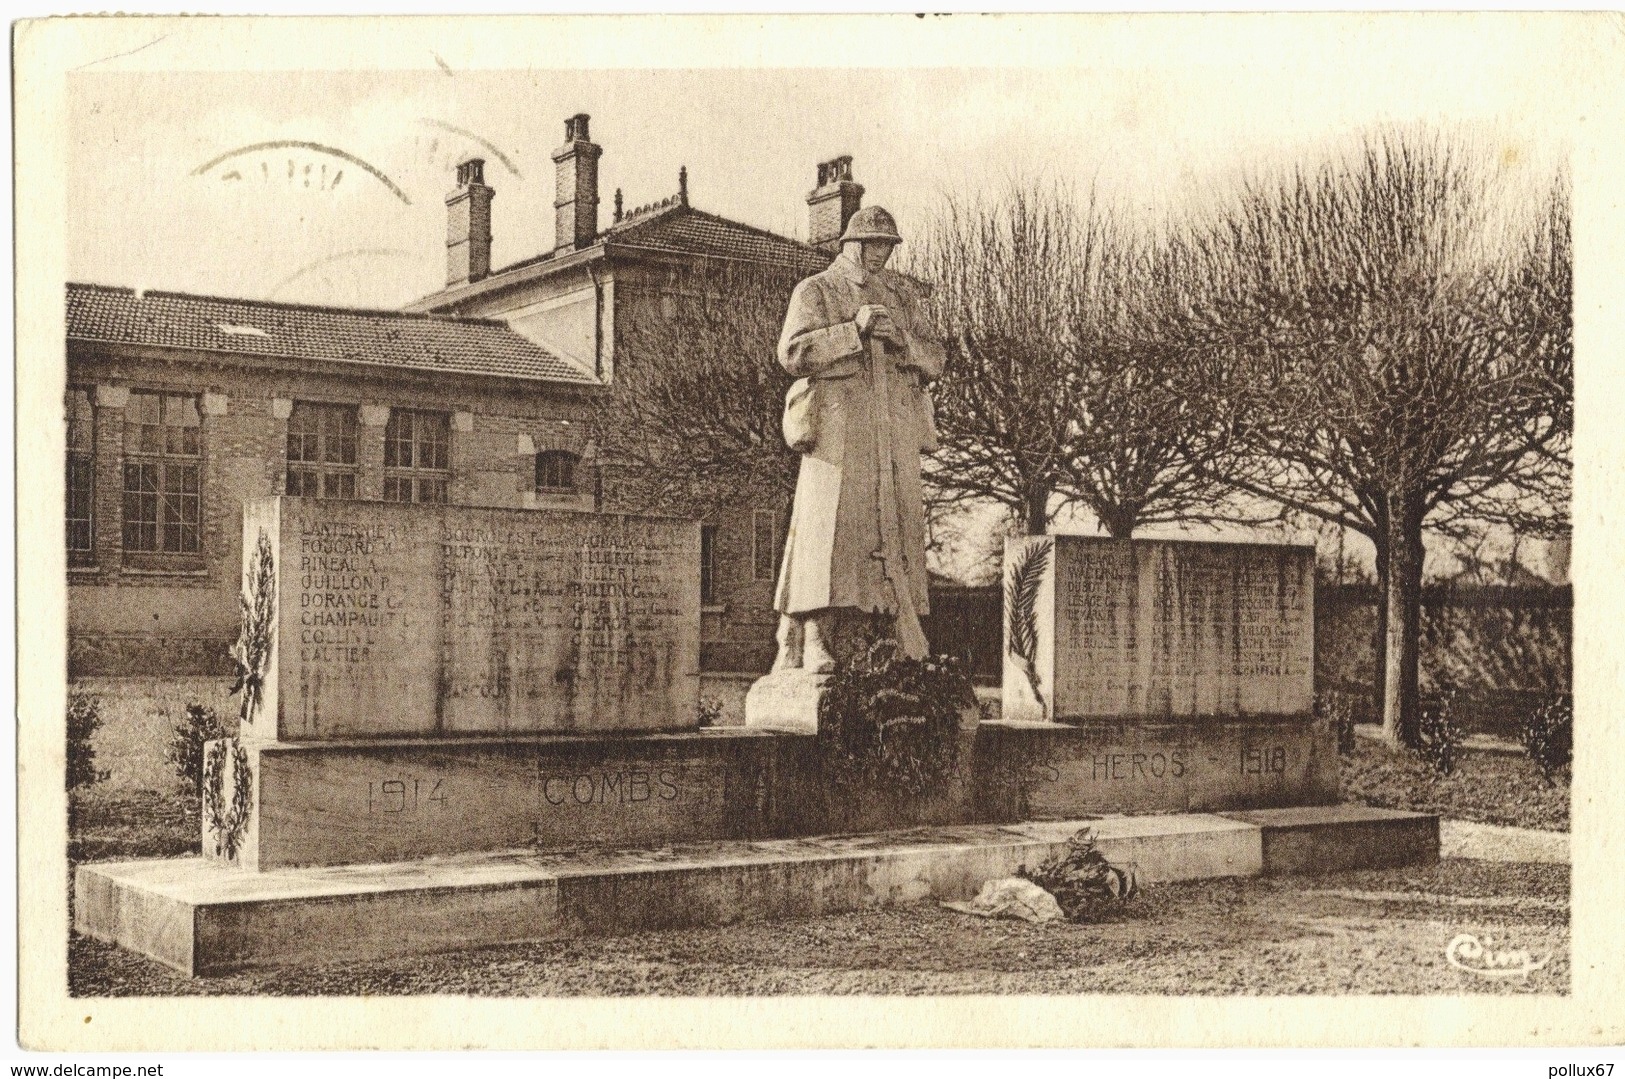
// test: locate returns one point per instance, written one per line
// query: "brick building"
(180, 407)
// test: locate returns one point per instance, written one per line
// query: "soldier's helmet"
(871, 223)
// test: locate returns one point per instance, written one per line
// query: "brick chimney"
(835, 199)
(468, 225)
(575, 205)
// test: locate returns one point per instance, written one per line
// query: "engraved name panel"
(359, 621)
(554, 623)
(1152, 628)
(422, 620)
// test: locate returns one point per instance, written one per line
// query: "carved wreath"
(227, 823)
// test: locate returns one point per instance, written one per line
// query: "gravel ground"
(1371, 931)
(1498, 843)
(1487, 788)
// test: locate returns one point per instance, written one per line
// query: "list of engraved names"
(531, 611)
(349, 602)
(422, 620)
(1181, 629)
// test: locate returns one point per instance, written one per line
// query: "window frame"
(163, 462)
(568, 459)
(757, 571)
(708, 566)
(85, 458)
(321, 471)
(416, 474)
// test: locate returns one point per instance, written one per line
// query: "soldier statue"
(860, 417)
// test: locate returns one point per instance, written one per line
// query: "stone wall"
(1506, 648)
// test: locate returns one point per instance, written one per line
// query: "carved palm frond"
(1025, 577)
(257, 606)
(1021, 585)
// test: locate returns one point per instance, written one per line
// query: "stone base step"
(206, 917)
(1323, 839)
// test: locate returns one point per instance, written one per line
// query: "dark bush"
(1548, 737)
(1082, 881)
(890, 723)
(1337, 709)
(711, 709)
(84, 719)
(198, 726)
(1439, 733)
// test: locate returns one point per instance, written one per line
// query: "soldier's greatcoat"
(834, 417)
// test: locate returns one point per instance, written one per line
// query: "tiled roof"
(301, 332)
(683, 230)
(674, 226)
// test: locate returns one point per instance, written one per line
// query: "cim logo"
(1487, 959)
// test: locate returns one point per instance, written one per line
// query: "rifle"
(909, 633)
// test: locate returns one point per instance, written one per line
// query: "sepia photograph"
(803, 517)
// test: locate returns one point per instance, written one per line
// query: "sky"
(1149, 125)
(166, 191)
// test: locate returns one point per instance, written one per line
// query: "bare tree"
(694, 423)
(1495, 477)
(1163, 433)
(1069, 379)
(1415, 336)
(1003, 274)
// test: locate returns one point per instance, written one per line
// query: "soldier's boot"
(790, 638)
(817, 655)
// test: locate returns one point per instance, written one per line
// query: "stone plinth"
(1100, 629)
(786, 701)
(202, 917)
(1300, 839)
(395, 620)
(377, 800)
(1048, 771)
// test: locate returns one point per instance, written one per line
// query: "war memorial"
(468, 726)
